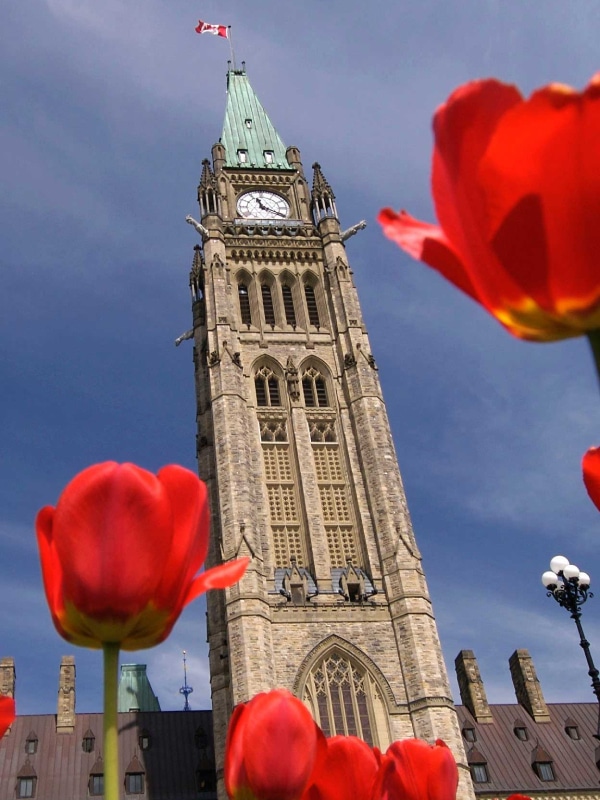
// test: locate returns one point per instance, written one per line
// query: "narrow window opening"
(545, 770)
(273, 385)
(248, 123)
(479, 773)
(244, 298)
(309, 395)
(288, 305)
(260, 385)
(269, 156)
(31, 744)
(26, 787)
(268, 309)
(311, 305)
(96, 785)
(469, 734)
(321, 392)
(521, 733)
(134, 783)
(242, 156)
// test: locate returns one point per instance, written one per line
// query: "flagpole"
(231, 45)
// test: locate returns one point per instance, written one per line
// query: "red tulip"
(120, 553)
(347, 768)
(591, 474)
(7, 713)
(271, 749)
(414, 770)
(516, 188)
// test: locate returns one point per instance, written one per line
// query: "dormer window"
(269, 156)
(478, 766)
(520, 730)
(242, 156)
(469, 734)
(572, 729)
(542, 764)
(248, 123)
(31, 744)
(144, 740)
(88, 742)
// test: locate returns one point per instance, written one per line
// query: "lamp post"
(569, 586)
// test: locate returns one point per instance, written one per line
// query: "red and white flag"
(216, 30)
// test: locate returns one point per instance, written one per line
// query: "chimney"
(65, 717)
(472, 692)
(527, 686)
(8, 677)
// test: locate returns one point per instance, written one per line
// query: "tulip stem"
(594, 340)
(111, 732)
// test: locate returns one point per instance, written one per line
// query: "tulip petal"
(189, 542)
(427, 243)
(7, 713)
(219, 577)
(591, 474)
(115, 536)
(421, 772)
(272, 745)
(547, 147)
(348, 769)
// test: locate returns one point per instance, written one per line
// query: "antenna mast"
(185, 689)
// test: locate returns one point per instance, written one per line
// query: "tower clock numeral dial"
(259, 204)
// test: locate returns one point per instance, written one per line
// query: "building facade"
(294, 443)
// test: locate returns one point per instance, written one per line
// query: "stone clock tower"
(295, 446)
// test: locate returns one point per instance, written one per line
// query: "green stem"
(111, 730)
(594, 340)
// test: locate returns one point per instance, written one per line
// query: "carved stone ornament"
(214, 358)
(293, 382)
(349, 361)
(197, 226)
(354, 229)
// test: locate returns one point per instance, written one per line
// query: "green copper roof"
(135, 692)
(249, 137)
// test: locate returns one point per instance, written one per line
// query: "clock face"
(260, 204)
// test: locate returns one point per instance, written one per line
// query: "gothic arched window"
(314, 389)
(345, 699)
(266, 386)
(244, 298)
(311, 305)
(288, 305)
(267, 301)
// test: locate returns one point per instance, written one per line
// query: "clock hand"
(270, 210)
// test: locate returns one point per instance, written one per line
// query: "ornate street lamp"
(569, 586)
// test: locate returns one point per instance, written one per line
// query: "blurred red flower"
(7, 713)
(516, 188)
(414, 770)
(591, 474)
(272, 746)
(347, 768)
(120, 553)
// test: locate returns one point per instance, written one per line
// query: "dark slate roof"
(509, 760)
(62, 767)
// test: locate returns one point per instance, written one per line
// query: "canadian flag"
(216, 30)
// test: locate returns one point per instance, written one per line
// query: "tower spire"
(249, 136)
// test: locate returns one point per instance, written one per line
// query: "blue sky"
(108, 110)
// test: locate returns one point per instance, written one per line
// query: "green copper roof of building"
(135, 692)
(249, 136)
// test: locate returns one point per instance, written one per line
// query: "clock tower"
(295, 446)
